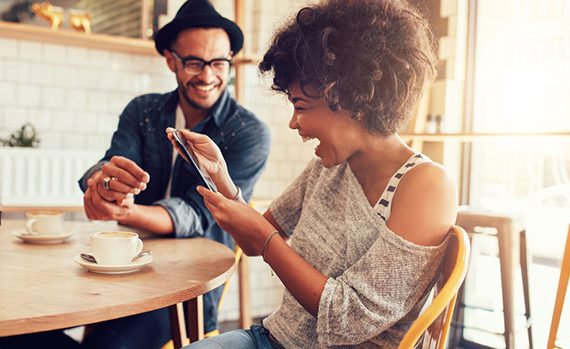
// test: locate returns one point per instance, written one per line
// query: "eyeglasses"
(194, 65)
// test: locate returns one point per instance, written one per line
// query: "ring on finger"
(107, 181)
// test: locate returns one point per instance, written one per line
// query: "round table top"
(42, 288)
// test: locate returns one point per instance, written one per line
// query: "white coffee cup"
(115, 247)
(45, 222)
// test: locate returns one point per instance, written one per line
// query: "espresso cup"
(115, 247)
(45, 222)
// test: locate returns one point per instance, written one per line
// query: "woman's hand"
(209, 157)
(248, 227)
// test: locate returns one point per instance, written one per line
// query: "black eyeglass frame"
(202, 61)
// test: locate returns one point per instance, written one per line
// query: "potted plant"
(26, 136)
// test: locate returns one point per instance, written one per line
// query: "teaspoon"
(91, 258)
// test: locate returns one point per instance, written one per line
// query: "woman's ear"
(170, 61)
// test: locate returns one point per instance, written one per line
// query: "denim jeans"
(257, 337)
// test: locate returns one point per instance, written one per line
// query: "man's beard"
(186, 95)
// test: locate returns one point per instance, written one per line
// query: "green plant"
(26, 136)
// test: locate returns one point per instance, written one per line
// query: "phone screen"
(192, 159)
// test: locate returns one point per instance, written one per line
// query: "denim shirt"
(242, 138)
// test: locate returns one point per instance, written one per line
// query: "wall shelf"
(65, 37)
(96, 41)
(469, 137)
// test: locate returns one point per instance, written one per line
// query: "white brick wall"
(63, 88)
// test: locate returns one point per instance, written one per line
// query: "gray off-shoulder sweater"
(377, 281)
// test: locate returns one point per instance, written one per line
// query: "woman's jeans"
(257, 337)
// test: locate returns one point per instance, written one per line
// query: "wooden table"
(42, 288)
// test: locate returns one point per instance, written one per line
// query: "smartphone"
(192, 159)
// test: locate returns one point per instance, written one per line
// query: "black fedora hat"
(197, 14)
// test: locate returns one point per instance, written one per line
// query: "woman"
(368, 218)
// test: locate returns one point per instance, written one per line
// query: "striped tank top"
(384, 205)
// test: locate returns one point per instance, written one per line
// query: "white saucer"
(114, 269)
(41, 239)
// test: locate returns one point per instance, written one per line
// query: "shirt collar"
(220, 110)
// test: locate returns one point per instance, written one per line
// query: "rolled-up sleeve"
(189, 220)
(375, 292)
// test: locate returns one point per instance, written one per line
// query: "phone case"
(193, 160)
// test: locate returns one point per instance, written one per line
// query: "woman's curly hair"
(371, 57)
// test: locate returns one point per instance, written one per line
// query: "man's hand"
(98, 208)
(119, 180)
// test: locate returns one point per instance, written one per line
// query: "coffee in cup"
(115, 247)
(45, 222)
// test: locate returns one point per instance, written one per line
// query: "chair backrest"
(433, 323)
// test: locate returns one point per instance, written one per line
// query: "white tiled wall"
(74, 96)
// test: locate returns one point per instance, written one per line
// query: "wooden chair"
(560, 294)
(182, 333)
(433, 323)
(244, 301)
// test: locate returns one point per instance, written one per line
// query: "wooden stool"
(511, 237)
(560, 294)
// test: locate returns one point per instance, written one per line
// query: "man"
(141, 182)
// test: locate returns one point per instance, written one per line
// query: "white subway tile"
(14, 118)
(78, 55)
(53, 97)
(108, 79)
(161, 84)
(63, 120)
(85, 122)
(76, 99)
(271, 171)
(50, 140)
(277, 189)
(32, 51)
(65, 76)
(141, 63)
(126, 82)
(107, 123)
(97, 101)
(98, 142)
(88, 77)
(100, 58)
(55, 53)
(28, 95)
(158, 65)
(285, 170)
(8, 48)
(118, 102)
(7, 93)
(40, 117)
(121, 61)
(73, 141)
(4, 133)
(144, 83)
(41, 74)
(16, 71)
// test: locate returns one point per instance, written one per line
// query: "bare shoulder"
(425, 205)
